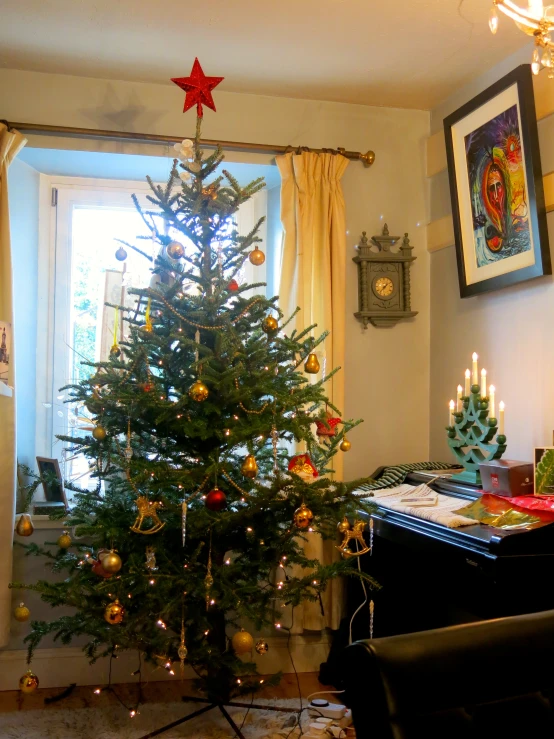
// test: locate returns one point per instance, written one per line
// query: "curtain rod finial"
(368, 158)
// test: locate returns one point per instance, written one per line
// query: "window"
(84, 274)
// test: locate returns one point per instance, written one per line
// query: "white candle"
(475, 373)
(491, 401)
(483, 383)
(466, 384)
(451, 406)
(501, 407)
(459, 404)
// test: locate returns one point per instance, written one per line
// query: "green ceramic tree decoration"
(471, 438)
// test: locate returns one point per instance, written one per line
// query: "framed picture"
(52, 483)
(496, 187)
(544, 471)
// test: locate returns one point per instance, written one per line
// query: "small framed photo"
(544, 471)
(5, 350)
(496, 187)
(52, 483)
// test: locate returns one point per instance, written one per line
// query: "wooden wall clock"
(384, 279)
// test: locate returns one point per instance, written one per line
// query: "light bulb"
(493, 20)
(536, 63)
(98, 691)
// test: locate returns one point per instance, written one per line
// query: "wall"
(24, 194)
(510, 329)
(379, 361)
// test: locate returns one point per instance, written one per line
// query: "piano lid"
(477, 539)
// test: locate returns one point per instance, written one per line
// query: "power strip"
(321, 707)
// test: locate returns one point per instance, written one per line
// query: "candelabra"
(472, 436)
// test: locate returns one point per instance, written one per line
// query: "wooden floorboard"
(154, 692)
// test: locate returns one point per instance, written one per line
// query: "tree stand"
(222, 707)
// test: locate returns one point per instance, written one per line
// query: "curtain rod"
(367, 159)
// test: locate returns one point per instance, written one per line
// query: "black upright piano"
(433, 576)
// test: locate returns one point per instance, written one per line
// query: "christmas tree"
(199, 507)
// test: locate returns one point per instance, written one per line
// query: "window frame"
(58, 196)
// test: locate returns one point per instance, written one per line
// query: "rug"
(113, 722)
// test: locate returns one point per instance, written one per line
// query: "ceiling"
(400, 53)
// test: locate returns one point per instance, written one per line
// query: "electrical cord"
(360, 606)
(247, 711)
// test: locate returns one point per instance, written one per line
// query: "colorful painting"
(496, 174)
(496, 188)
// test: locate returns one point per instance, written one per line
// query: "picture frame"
(53, 492)
(543, 472)
(496, 187)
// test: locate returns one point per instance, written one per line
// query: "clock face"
(383, 287)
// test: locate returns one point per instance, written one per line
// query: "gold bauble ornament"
(111, 562)
(312, 364)
(249, 467)
(29, 682)
(303, 517)
(64, 540)
(21, 613)
(270, 325)
(115, 351)
(24, 526)
(242, 642)
(175, 250)
(99, 433)
(114, 612)
(343, 526)
(257, 257)
(210, 191)
(345, 445)
(262, 647)
(198, 391)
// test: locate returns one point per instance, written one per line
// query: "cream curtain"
(11, 142)
(313, 278)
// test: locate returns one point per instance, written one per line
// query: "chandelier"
(535, 20)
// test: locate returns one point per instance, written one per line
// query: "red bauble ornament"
(216, 500)
(198, 88)
(147, 387)
(233, 286)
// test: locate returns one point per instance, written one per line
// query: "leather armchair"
(492, 679)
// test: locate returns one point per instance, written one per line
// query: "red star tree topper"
(198, 88)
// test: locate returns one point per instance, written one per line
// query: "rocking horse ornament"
(355, 532)
(147, 509)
